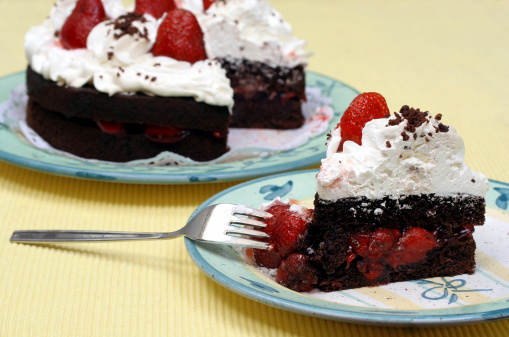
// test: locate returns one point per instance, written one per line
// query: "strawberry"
(156, 8)
(296, 273)
(180, 37)
(164, 134)
(110, 127)
(207, 4)
(413, 246)
(382, 240)
(290, 232)
(286, 230)
(360, 243)
(85, 16)
(372, 269)
(365, 107)
(269, 258)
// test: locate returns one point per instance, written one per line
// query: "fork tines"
(250, 217)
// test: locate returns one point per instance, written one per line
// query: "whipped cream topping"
(393, 161)
(299, 209)
(118, 59)
(249, 29)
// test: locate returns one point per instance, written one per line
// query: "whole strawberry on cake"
(395, 202)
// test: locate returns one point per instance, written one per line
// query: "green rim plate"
(16, 150)
(463, 299)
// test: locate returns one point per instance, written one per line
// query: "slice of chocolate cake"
(394, 203)
(401, 206)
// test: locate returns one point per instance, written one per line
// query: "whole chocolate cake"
(118, 85)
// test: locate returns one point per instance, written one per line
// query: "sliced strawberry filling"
(164, 134)
(385, 248)
(155, 133)
(111, 127)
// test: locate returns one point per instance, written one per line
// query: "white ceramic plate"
(462, 299)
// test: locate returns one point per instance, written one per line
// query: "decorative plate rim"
(392, 317)
(195, 174)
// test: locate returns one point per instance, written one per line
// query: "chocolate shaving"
(414, 118)
(388, 144)
(443, 128)
(405, 136)
(124, 24)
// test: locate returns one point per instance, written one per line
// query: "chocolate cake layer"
(450, 260)
(87, 102)
(82, 137)
(265, 97)
(451, 219)
(425, 211)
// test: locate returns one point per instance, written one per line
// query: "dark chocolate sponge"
(265, 97)
(87, 102)
(451, 218)
(82, 137)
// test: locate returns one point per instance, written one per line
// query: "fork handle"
(40, 236)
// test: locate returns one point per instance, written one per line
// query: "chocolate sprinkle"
(414, 118)
(388, 144)
(124, 24)
(443, 128)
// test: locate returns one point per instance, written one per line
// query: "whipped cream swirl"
(394, 162)
(118, 59)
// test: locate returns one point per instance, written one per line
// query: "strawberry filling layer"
(154, 133)
(393, 248)
(372, 253)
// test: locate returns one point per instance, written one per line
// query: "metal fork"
(226, 224)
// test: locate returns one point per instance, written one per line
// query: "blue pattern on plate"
(503, 199)
(276, 191)
(452, 285)
(260, 286)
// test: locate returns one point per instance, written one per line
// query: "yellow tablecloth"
(448, 57)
